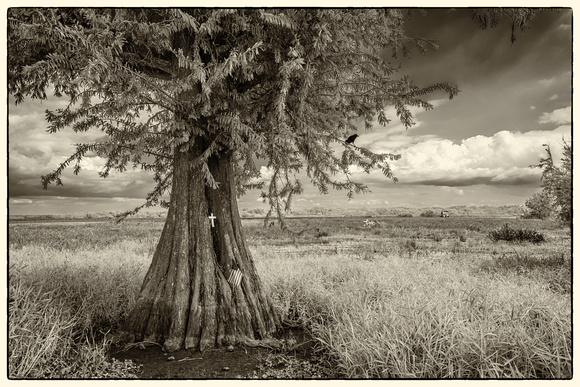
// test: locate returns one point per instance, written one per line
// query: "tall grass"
(400, 318)
(392, 302)
(62, 306)
(44, 340)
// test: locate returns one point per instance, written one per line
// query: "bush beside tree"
(556, 193)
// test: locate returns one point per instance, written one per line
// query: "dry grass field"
(407, 297)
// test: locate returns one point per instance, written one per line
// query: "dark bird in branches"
(351, 139)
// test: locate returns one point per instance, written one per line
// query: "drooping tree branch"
(279, 85)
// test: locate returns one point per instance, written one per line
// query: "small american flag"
(235, 277)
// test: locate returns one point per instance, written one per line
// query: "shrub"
(321, 234)
(428, 214)
(410, 244)
(515, 235)
(539, 206)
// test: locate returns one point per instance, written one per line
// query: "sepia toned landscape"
(405, 297)
(202, 193)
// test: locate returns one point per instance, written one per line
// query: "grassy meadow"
(408, 297)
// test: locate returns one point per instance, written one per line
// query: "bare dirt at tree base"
(301, 361)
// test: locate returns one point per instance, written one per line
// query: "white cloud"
(20, 201)
(565, 27)
(558, 116)
(265, 175)
(554, 97)
(395, 134)
(532, 108)
(547, 82)
(26, 120)
(93, 163)
(121, 199)
(503, 158)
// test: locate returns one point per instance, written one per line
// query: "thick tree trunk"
(186, 300)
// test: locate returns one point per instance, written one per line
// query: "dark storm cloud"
(86, 184)
(500, 82)
(526, 180)
(28, 185)
(469, 54)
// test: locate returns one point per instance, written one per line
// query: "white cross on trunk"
(212, 218)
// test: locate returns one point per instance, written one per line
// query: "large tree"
(197, 97)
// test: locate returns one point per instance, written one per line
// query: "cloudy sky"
(472, 150)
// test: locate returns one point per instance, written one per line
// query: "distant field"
(407, 297)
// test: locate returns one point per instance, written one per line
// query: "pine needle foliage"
(491, 17)
(280, 85)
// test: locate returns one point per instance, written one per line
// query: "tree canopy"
(279, 85)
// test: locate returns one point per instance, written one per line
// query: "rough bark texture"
(186, 300)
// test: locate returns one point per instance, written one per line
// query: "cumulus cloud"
(501, 159)
(559, 116)
(265, 175)
(33, 152)
(93, 163)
